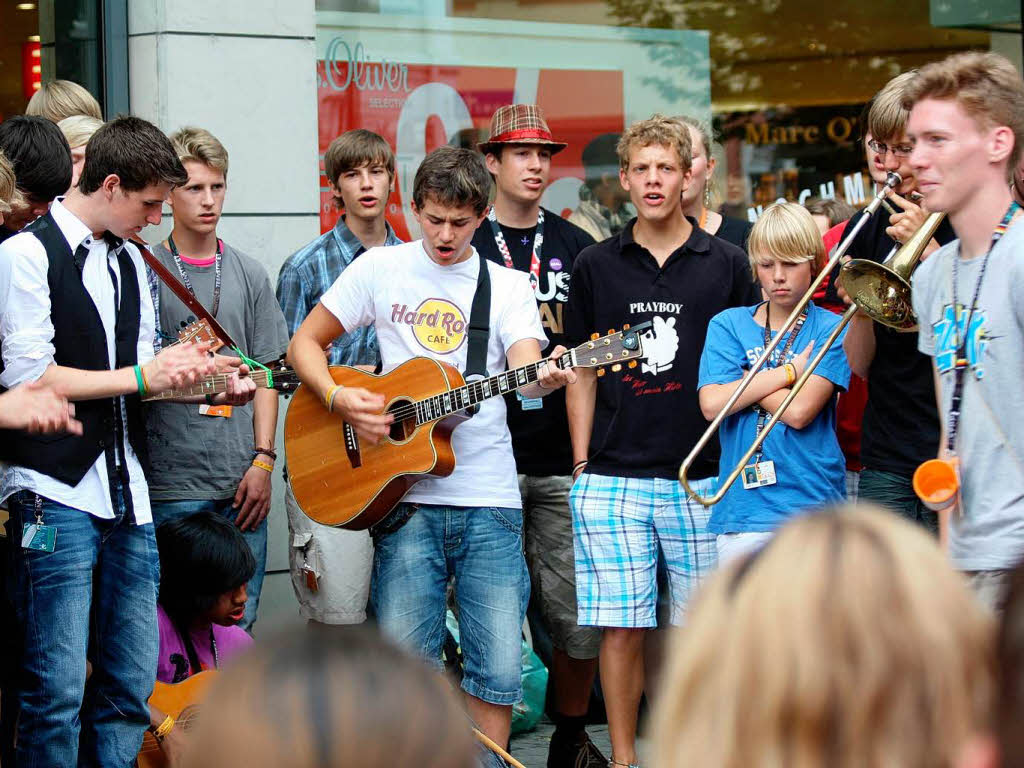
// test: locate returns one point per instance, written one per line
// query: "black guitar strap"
(479, 324)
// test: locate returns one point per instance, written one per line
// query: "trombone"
(881, 291)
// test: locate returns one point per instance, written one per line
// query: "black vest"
(80, 342)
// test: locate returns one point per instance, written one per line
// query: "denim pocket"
(510, 518)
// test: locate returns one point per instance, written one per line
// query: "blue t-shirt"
(809, 465)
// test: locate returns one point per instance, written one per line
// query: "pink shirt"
(173, 666)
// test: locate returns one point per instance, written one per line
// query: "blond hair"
(201, 146)
(58, 99)
(985, 85)
(78, 129)
(666, 131)
(848, 642)
(786, 232)
(887, 118)
(330, 700)
(8, 184)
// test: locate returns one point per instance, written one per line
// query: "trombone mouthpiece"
(893, 179)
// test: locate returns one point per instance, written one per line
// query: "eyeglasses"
(900, 150)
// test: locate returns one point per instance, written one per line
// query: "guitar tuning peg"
(183, 324)
(625, 327)
(600, 372)
(617, 367)
(595, 336)
(632, 363)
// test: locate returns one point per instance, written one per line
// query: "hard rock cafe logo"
(438, 325)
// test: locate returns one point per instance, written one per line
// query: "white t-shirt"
(421, 309)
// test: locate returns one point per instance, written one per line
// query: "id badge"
(42, 538)
(530, 403)
(759, 475)
(224, 411)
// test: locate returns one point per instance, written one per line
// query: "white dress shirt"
(26, 333)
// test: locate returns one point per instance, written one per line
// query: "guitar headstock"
(285, 379)
(617, 349)
(197, 332)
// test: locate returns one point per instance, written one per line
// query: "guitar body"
(180, 701)
(328, 486)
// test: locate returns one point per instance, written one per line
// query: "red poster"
(418, 108)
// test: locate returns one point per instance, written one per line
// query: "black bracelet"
(579, 465)
(265, 452)
(209, 399)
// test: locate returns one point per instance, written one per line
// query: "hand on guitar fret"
(551, 376)
(178, 366)
(364, 411)
(241, 388)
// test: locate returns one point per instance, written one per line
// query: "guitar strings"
(412, 410)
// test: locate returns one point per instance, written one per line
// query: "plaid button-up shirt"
(309, 272)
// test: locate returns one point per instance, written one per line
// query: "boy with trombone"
(800, 464)
(900, 426)
(967, 127)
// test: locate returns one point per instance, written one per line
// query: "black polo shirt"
(646, 419)
(900, 428)
(540, 429)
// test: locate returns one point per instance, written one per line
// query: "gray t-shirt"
(204, 457)
(990, 440)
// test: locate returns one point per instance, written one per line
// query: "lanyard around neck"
(538, 241)
(762, 414)
(960, 362)
(216, 272)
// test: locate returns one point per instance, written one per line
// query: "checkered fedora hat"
(519, 124)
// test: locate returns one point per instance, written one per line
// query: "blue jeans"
(483, 549)
(94, 594)
(897, 493)
(257, 540)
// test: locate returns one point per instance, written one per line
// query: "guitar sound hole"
(401, 429)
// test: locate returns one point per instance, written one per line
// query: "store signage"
(419, 107)
(838, 130)
(351, 65)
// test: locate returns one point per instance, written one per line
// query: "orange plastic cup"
(936, 483)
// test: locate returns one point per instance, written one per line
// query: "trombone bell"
(882, 291)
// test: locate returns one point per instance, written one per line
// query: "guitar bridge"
(352, 446)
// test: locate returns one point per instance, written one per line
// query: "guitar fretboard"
(455, 400)
(219, 383)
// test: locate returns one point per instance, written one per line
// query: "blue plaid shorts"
(618, 523)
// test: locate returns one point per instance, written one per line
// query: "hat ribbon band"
(522, 133)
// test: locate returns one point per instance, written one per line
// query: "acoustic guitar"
(340, 481)
(182, 702)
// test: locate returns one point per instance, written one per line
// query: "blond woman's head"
(849, 641)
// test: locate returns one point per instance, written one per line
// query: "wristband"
(265, 452)
(209, 399)
(329, 397)
(579, 465)
(164, 728)
(263, 465)
(140, 380)
(790, 374)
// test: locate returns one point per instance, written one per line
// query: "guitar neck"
(475, 392)
(215, 385)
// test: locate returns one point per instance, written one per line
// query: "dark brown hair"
(135, 151)
(453, 178)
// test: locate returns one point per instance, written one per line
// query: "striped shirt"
(309, 272)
